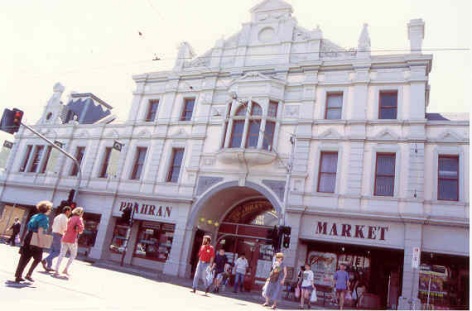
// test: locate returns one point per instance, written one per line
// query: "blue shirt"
(341, 277)
(39, 220)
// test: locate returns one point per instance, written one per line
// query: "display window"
(91, 222)
(154, 241)
(120, 239)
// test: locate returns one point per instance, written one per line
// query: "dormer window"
(251, 125)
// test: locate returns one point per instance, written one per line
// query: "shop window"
(388, 104)
(152, 110)
(187, 110)
(385, 174)
(154, 241)
(334, 104)
(91, 222)
(79, 155)
(327, 175)
(176, 165)
(119, 240)
(448, 178)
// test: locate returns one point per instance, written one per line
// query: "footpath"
(252, 296)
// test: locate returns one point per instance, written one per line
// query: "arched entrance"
(238, 219)
(244, 232)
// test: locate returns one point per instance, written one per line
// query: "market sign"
(356, 231)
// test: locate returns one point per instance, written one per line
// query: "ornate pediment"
(449, 137)
(330, 134)
(386, 134)
(255, 76)
(179, 134)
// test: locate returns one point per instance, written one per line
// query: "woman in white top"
(308, 284)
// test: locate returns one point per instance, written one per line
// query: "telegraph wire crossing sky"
(97, 46)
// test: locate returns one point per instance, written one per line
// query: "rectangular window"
(45, 160)
(237, 134)
(268, 135)
(385, 174)
(272, 109)
(328, 169)
(23, 166)
(37, 156)
(448, 177)
(253, 134)
(152, 110)
(176, 164)
(105, 162)
(187, 112)
(154, 241)
(138, 163)
(334, 105)
(388, 104)
(79, 155)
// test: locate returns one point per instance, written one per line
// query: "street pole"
(289, 167)
(76, 162)
(128, 234)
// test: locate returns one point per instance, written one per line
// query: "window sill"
(250, 156)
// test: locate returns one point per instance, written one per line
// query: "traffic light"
(286, 241)
(286, 231)
(126, 215)
(17, 117)
(61, 207)
(274, 235)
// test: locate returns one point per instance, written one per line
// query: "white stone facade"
(279, 65)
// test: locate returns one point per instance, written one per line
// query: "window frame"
(105, 163)
(383, 108)
(391, 176)
(329, 108)
(322, 173)
(79, 156)
(138, 164)
(26, 159)
(173, 174)
(445, 178)
(187, 113)
(151, 113)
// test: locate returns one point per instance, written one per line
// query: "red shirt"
(206, 253)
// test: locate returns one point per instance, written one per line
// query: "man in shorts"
(341, 284)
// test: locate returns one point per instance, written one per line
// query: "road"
(91, 287)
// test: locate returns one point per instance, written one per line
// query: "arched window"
(251, 126)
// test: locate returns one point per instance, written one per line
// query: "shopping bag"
(17, 239)
(209, 276)
(46, 240)
(264, 289)
(313, 297)
(297, 292)
(354, 294)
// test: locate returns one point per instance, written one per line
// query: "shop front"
(146, 240)
(371, 251)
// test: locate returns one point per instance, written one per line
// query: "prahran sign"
(147, 209)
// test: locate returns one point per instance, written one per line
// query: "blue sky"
(95, 46)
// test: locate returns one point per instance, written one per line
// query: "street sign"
(415, 263)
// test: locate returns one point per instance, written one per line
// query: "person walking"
(39, 223)
(277, 277)
(341, 284)
(206, 256)
(220, 262)
(240, 267)
(16, 228)
(59, 226)
(307, 285)
(75, 226)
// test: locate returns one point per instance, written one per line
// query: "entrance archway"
(238, 219)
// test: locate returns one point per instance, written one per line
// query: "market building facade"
(275, 125)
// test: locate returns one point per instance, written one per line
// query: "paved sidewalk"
(253, 296)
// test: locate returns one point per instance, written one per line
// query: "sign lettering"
(147, 209)
(350, 231)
